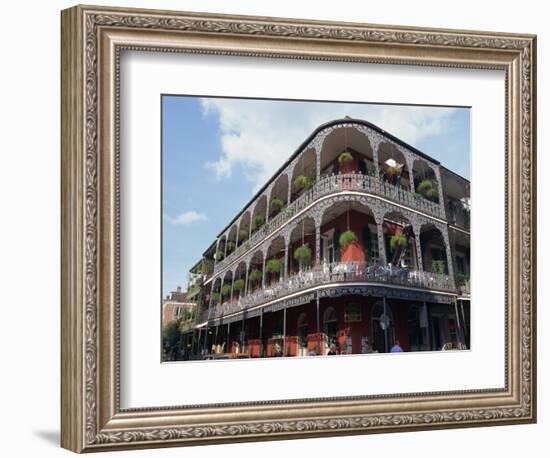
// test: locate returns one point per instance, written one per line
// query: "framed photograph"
(277, 228)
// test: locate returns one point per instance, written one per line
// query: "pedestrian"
(313, 352)
(332, 350)
(396, 348)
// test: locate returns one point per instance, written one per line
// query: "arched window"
(381, 325)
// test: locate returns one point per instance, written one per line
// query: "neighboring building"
(180, 309)
(358, 240)
(177, 306)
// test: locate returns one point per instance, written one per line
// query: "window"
(328, 246)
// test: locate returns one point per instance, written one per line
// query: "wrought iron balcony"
(338, 272)
(331, 185)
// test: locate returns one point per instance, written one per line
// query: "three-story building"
(358, 240)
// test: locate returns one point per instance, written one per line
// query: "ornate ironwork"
(337, 273)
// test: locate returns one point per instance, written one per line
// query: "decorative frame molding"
(92, 39)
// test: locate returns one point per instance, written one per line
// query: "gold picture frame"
(92, 39)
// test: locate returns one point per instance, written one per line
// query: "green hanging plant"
(226, 289)
(230, 246)
(345, 157)
(346, 238)
(276, 204)
(398, 240)
(273, 266)
(416, 195)
(371, 170)
(238, 285)
(438, 267)
(218, 256)
(257, 222)
(255, 275)
(303, 254)
(303, 182)
(424, 185)
(216, 298)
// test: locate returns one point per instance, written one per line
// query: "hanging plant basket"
(346, 238)
(303, 254)
(215, 298)
(226, 289)
(346, 156)
(438, 267)
(230, 246)
(257, 222)
(398, 240)
(238, 285)
(273, 266)
(255, 275)
(276, 204)
(303, 182)
(218, 256)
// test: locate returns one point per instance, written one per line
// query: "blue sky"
(218, 152)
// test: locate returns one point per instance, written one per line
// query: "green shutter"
(336, 242)
(362, 166)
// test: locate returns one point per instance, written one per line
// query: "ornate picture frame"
(92, 41)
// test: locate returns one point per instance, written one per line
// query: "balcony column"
(317, 162)
(410, 165)
(237, 236)
(445, 232)
(317, 244)
(285, 267)
(225, 248)
(216, 254)
(266, 210)
(379, 218)
(232, 284)
(375, 143)
(289, 175)
(419, 261)
(263, 270)
(246, 279)
(452, 243)
(440, 189)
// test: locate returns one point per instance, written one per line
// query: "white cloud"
(186, 218)
(259, 136)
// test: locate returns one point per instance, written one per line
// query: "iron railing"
(338, 272)
(330, 185)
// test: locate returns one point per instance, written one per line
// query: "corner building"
(358, 240)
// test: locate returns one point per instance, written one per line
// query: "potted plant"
(230, 246)
(276, 204)
(215, 298)
(371, 170)
(302, 254)
(218, 256)
(238, 285)
(398, 240)
(273, 266)
(303, 182)
(226, 290)
(345, 161)
(254, 276)
(346, 238)
(427, 188)
(257, 222)
(438, 267)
